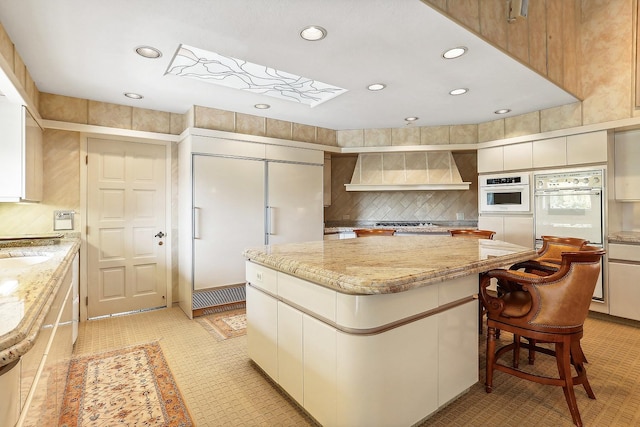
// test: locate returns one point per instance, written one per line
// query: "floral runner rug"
(130, 387)
(225, 324)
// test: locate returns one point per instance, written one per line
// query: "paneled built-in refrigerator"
(239, 195)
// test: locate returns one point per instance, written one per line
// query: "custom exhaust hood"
(434, 170)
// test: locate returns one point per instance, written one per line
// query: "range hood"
(433, 170)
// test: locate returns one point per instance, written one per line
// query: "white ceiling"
(85, 49)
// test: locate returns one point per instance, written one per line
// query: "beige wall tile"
(570, 64)
(463, 134)
(177, 123)
(151, 120)
(491, 131)
(350, 138)
(249, 124)
(434, 135)
(408, 135)
(327, 136)
(213, 118)
(64, 108)
(304, 133)
(440, 4)
(524, 124)
(377, 137)
(110, 115)
(562, 117)
(279, 129)
(554, 41)
(30, 87)
(6, 47)
(518, 39)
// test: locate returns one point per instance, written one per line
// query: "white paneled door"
(126, 233)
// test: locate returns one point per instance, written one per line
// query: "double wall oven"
(570, 204)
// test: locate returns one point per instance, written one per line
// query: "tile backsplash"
(402, 205)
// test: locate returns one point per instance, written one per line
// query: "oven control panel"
(569, 180)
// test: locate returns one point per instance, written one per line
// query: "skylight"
(235, 73)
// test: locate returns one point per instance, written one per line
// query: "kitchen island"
(373, 331)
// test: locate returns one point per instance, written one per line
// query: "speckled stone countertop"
(26, 293)
(426, 229)
(385, 264)
(627, 237)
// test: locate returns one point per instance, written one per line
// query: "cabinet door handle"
(160, 234)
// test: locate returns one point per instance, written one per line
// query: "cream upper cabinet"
(550, 152)
(517, 156)
(587, 148)
(627, 165)
(490, 159)
(20, 155)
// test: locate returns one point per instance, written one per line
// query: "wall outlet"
(460, 216)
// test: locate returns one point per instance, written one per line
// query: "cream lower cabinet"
(336, 356)
(10, 393)
(624, 288)
(516, 229)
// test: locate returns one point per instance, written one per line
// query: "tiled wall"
(401, 205)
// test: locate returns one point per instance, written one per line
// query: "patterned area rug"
(129, 387)
(226, 324)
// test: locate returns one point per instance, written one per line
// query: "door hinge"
(86, 159)
(86, 230)
(86, 301)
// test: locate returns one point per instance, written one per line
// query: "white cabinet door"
(295, 203)
(490, 159)
(550, 152)
(262, 330)
(320, 370)
(228, 215)
(493, 223)
(624, 290)
(519, 230)
(10, 393)
(627, 165)
(517, 156)
(290, 362)
(587, 148)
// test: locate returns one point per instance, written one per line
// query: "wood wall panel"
(466, 12)
(538, 36)
(554, 41)
(493, 25)
(570, 65)
(518, 39)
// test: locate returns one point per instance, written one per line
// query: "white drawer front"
(314, 298)
(262, 277)
(624, 252)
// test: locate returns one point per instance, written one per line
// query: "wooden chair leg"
(578, 363)
(516, 350)
(563, 360)
(491, 355)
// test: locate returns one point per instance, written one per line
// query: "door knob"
(160, 234)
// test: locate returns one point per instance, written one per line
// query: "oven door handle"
(581, 192)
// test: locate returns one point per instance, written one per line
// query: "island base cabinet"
(262, 330)
(457, 351)
(394, 375)
(624, 290)
(290, 362)
(319, 349)
(10, 393)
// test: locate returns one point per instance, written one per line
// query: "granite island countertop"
(26, 293)
(383, 264)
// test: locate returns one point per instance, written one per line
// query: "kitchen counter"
(27, 292)
(373, 331)
(380, 264)
(625, 237)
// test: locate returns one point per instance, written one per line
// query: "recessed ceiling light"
(502, 111)
(313, 33)
(262, 106)
(133, 95)
(455, 52)
(411, 119)
(459, 91)
(148, 52)
(376, 86)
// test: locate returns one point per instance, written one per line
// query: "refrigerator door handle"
(271, 220)
(196, 222)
